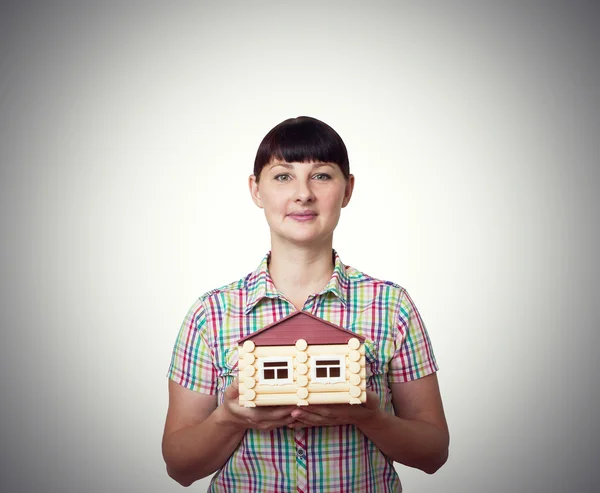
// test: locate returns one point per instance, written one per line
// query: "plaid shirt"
(317, 459)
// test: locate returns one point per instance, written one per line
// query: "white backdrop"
(128, 131)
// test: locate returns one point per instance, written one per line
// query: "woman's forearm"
(197, 451)
(409, 442)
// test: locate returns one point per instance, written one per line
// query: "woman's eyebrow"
(291, 166)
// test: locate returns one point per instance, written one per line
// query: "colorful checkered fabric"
(316, 459)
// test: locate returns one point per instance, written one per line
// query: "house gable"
(300, 325)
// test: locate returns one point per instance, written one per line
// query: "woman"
(302, 181)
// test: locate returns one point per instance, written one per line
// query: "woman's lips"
(303, 216)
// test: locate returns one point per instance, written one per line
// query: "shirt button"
(300, 453)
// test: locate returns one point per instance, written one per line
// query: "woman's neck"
(299, 272)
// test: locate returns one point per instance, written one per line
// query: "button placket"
(300, 437)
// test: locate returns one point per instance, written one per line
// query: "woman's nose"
(303, 192)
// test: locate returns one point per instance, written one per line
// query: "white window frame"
(313, 368)
(276, 381)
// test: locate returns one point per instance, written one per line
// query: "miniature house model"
(301, 359)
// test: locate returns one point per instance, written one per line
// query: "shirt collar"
(260, 285)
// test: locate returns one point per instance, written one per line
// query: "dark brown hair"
(302, 139)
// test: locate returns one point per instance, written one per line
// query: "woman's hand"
(336, 414)
(258, 418)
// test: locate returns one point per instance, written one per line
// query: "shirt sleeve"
(413, 357)
(192, 360)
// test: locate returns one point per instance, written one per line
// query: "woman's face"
(302, 201)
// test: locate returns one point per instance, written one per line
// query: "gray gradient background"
(127, 134)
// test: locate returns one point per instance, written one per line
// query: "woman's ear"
(348, 191)
(254, 192)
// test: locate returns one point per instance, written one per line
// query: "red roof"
(300, 325)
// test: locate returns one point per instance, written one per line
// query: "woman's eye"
(322, 176)
(282, 177)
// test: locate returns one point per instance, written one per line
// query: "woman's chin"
(305, 240)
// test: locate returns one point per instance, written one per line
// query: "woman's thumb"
(233, 390)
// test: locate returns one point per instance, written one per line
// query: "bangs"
(302, 139)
